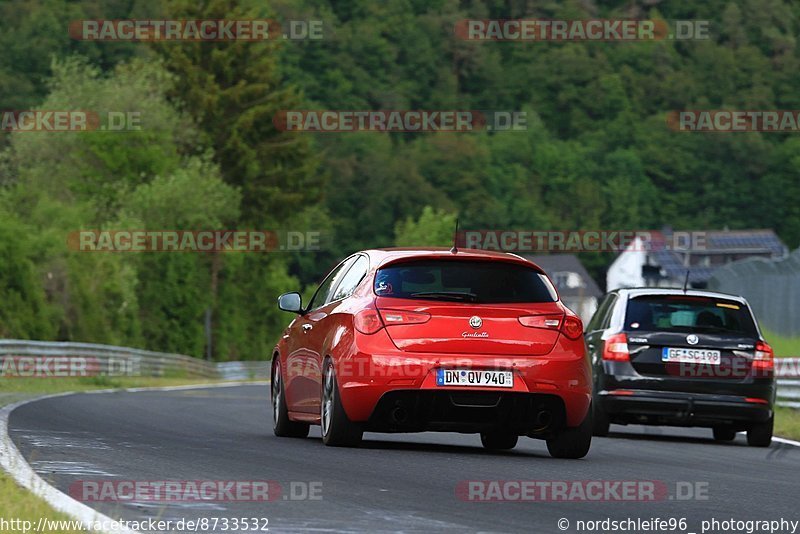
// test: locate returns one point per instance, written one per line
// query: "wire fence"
(771, 287)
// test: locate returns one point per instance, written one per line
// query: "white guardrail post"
(56, 358)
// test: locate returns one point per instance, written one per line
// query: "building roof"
(762, 241)
(557, 263)
(744, 241)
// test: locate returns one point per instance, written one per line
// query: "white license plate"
(487, 379)
(673, 355)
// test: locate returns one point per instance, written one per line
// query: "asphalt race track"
(392, 482)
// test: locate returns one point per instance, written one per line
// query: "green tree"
(432, 228)
(24, 313)
(176, 288)
(234, 90)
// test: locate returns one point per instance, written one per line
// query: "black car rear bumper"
(682, 409)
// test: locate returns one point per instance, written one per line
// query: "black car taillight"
(764, 359)
(616, 348)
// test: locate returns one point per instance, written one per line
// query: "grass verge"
(787, 423)
(783, 346)
(17, 503)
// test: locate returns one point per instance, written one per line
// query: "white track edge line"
(12, 461)
(786, 441)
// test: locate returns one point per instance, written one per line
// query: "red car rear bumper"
(375, 367)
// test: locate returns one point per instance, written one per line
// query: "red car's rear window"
(464, 280)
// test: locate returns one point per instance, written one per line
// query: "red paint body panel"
(406, 357)
(448, 329)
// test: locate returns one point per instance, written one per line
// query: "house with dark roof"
(578, 291)
(662, 259)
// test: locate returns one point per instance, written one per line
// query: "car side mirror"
(290, 302)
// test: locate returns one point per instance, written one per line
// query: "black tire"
(337, 429)
(722, 433)
(499, 441)
(573, 443)
(600, 420)
(760, 434)
(282, 426)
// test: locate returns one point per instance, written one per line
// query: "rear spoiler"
(464, 256)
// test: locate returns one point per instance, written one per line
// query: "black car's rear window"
(464, 280)
(680, 313)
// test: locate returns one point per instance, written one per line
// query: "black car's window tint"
(680, 313)
(351, 280)
(609, 312)
(599, 314)
(464, 280)
(327, 286)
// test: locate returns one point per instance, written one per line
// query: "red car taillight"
(548, 322)
(616, 348)
(764, 359)
(391, 317)
(368, 321)
(570, 325)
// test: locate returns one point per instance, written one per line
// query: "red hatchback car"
(414, 340)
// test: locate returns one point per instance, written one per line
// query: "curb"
(12, 461)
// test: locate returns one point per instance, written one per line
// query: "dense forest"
(596, 154)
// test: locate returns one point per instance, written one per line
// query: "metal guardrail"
(788, 372)
(789, 393)
(243, 370)
(121, 361)
(89, 359)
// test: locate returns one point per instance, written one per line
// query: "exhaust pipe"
(399, 415)
(543, 418)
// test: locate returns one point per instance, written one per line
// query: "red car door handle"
(306, 327)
